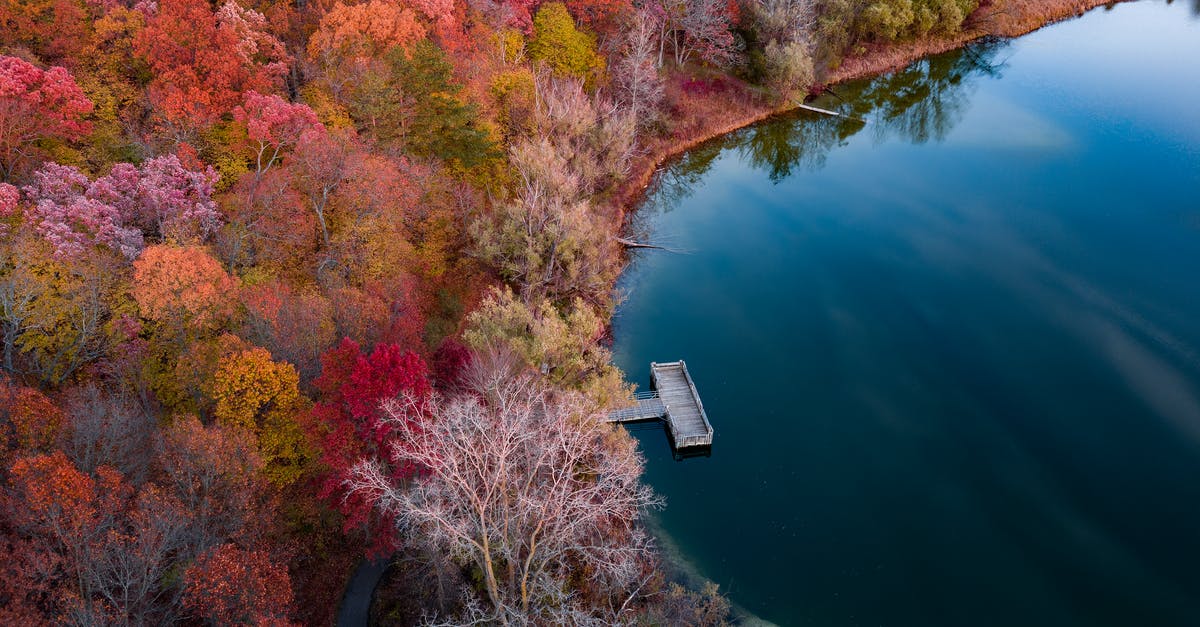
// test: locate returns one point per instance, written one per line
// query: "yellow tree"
(53, 312)
(561, 46)
(253, 392)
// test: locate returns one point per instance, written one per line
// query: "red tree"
(36, 104)
(29, 422)
(232, 586)
(64, 516)
(449, 363)
(367, 30)
(56, 30)
(599, 14)
(346, 422)
(203, 60)
(512, 13)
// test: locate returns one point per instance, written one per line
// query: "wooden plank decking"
(674, 400)
(648, 407)
(685, 413)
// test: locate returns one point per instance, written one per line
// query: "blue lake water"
(952, 355)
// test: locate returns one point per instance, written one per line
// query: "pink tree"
(36, 104)
(273, 125)
(707, 32)
(71, 221)
(162, 198)
(514, 13)
(10, 197)
(694, 28)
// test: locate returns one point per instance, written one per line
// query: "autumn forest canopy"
(287, 284)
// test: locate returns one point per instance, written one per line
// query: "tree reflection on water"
(918, 104)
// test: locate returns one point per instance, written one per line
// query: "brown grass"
(1012, 18)
(700, 107)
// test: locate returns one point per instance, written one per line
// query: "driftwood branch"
(628, 243)
(837, 114)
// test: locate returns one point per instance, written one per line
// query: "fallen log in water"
(628, 243)
(828, 112)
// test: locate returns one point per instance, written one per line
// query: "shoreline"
(878, 61)
(991, 19)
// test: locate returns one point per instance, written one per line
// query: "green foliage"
(890, 20)
(779, 46)
(443, 320)
(548, 240)
(843, 26)
(561, 46)
(549, 248)
(833, 30)
(789, 68)
(563, 345)
(514, 94)
(413, 103)
(886, 21)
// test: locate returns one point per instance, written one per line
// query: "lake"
(951, 354)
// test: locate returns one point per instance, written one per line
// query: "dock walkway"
(675, 401)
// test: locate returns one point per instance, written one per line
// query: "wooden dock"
(674, 400)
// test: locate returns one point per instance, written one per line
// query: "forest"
(287, 284)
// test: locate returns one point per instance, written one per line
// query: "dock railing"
(699, 440)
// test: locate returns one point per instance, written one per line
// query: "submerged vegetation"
(283, 284)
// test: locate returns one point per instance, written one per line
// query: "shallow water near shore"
(952, 354)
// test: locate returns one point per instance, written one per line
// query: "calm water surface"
(952, 355)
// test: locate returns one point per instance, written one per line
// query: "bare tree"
(527, 485)
(107, 430)
(694, 28)
(784, 20)
(550, 240)
(128, 569)
(215, 474)
(635, 72)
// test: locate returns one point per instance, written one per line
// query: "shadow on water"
(657, 425)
